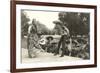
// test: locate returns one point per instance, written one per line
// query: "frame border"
(13, 35)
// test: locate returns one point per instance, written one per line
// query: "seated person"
(49, 43)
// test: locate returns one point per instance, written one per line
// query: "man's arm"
(66, 29)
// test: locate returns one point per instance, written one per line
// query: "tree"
(24, 24)
(77, 23)
(42, 29)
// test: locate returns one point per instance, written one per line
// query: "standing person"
(32, 41)
(62, 42)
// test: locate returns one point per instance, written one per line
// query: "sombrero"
(49, 37)
(82, 41)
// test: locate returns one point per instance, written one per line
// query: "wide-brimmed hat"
(49, 37)
(82, 41)
(73, 42)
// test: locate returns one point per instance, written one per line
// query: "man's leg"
(63, 46)
(57, 49)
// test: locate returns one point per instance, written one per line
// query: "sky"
(44, 17)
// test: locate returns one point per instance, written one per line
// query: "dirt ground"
(45, 57)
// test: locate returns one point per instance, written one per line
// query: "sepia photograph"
(52, 36)
(48, 36)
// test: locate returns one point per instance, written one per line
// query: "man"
(32, 41)
(62, 42)
(49, 44)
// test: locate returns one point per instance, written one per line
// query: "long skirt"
(31, 45)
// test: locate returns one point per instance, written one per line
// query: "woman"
(32, 43)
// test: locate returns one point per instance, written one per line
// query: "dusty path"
(45, 57)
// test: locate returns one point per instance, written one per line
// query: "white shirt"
(29, 28)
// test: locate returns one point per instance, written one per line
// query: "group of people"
(50, 47)
(33, 40)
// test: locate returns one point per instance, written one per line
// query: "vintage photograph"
(54, 36)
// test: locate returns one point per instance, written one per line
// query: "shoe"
(62, 56)
(55, 54)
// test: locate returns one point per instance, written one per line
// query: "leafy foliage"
(77, 23)
(41, 28)
(24, 23)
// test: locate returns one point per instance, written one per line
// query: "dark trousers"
(62, 43)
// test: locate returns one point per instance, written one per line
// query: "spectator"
(49, 43)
